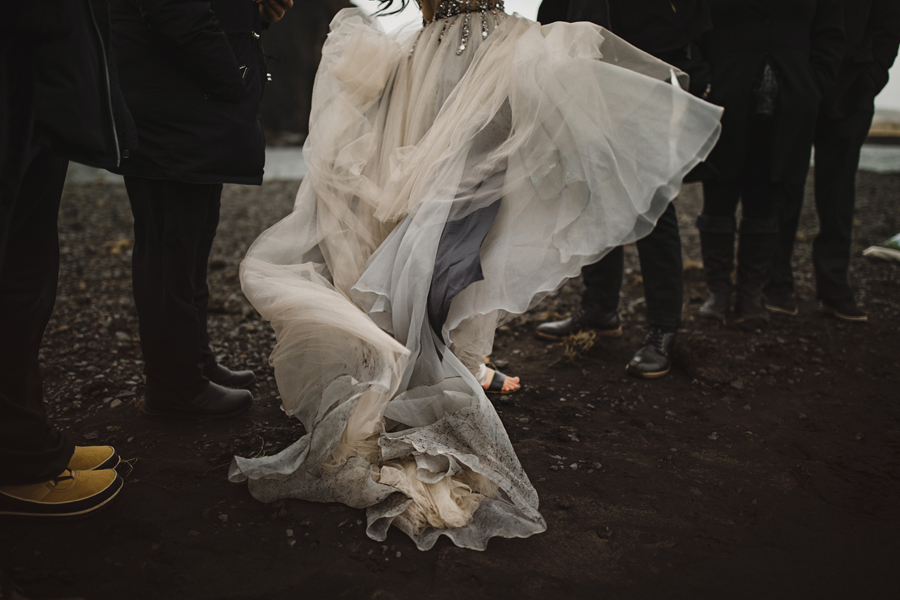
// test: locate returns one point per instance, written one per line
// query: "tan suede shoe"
(93, 458)
(69, 494)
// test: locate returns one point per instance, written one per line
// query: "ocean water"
(286, 163)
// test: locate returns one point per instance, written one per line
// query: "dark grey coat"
(804, 41)
(873, 35)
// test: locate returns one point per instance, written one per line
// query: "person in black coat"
(58, 100)
(670, 31)
(193, 74)
(873, 35)
(772, 61)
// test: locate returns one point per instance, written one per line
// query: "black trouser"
(174, 227)
(31, 450)
(754, 190)
(661, 268)
(837, 143)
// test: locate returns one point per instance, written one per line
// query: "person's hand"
(271, 11)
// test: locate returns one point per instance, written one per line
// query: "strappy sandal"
(496, 386)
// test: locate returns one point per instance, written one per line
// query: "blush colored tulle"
(582, 138)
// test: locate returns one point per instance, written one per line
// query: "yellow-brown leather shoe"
(93, 458)
(69, 494)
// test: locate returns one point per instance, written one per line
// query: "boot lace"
(656, 338)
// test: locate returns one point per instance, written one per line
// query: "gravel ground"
(766, 463)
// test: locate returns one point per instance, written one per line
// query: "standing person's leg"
(31, 450)
(663, 274)
(717, 226)
(758, 231)
(603, 281)
(779, 287)
(663, 271)
(16, 122)
(167, 230)
(599, 311)
(838, 143)
(211, 369)
(170, 222)
(41, 472)
(201, 285)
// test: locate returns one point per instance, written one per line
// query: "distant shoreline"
(885, 126)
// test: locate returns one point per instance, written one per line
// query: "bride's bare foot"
(508, 385)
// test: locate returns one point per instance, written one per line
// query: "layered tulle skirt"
(448, 190)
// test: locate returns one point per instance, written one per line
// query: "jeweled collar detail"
(448, 9)
(451, 8)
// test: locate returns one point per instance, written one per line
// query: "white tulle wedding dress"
(457, 174)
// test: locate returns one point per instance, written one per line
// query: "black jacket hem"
(191, 177)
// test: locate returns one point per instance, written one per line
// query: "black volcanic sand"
(764, 465)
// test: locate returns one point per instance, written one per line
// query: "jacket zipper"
(109, 101)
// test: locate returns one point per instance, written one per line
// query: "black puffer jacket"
(78, 106)
(192, 72)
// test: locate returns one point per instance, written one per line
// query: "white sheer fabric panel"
(586, 142)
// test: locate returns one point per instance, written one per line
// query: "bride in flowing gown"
(457, 175)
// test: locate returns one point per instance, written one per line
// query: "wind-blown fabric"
(582, 139)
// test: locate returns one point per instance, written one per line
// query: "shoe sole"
(610, 333)
(72, 509)
(712, 316)
(773, 308)
(654, 375)
(882, 253)
(155, 415)
(841, 316)
(501, 392)
(235, 385)
(111, 463)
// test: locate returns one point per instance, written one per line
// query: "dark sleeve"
(204, 48)
(593, 11)
(704, 17)
(884, 21)
(827, 42)
(551, 11)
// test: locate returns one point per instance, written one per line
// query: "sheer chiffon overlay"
(448, 191)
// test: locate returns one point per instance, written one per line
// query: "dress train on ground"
(452, 184)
